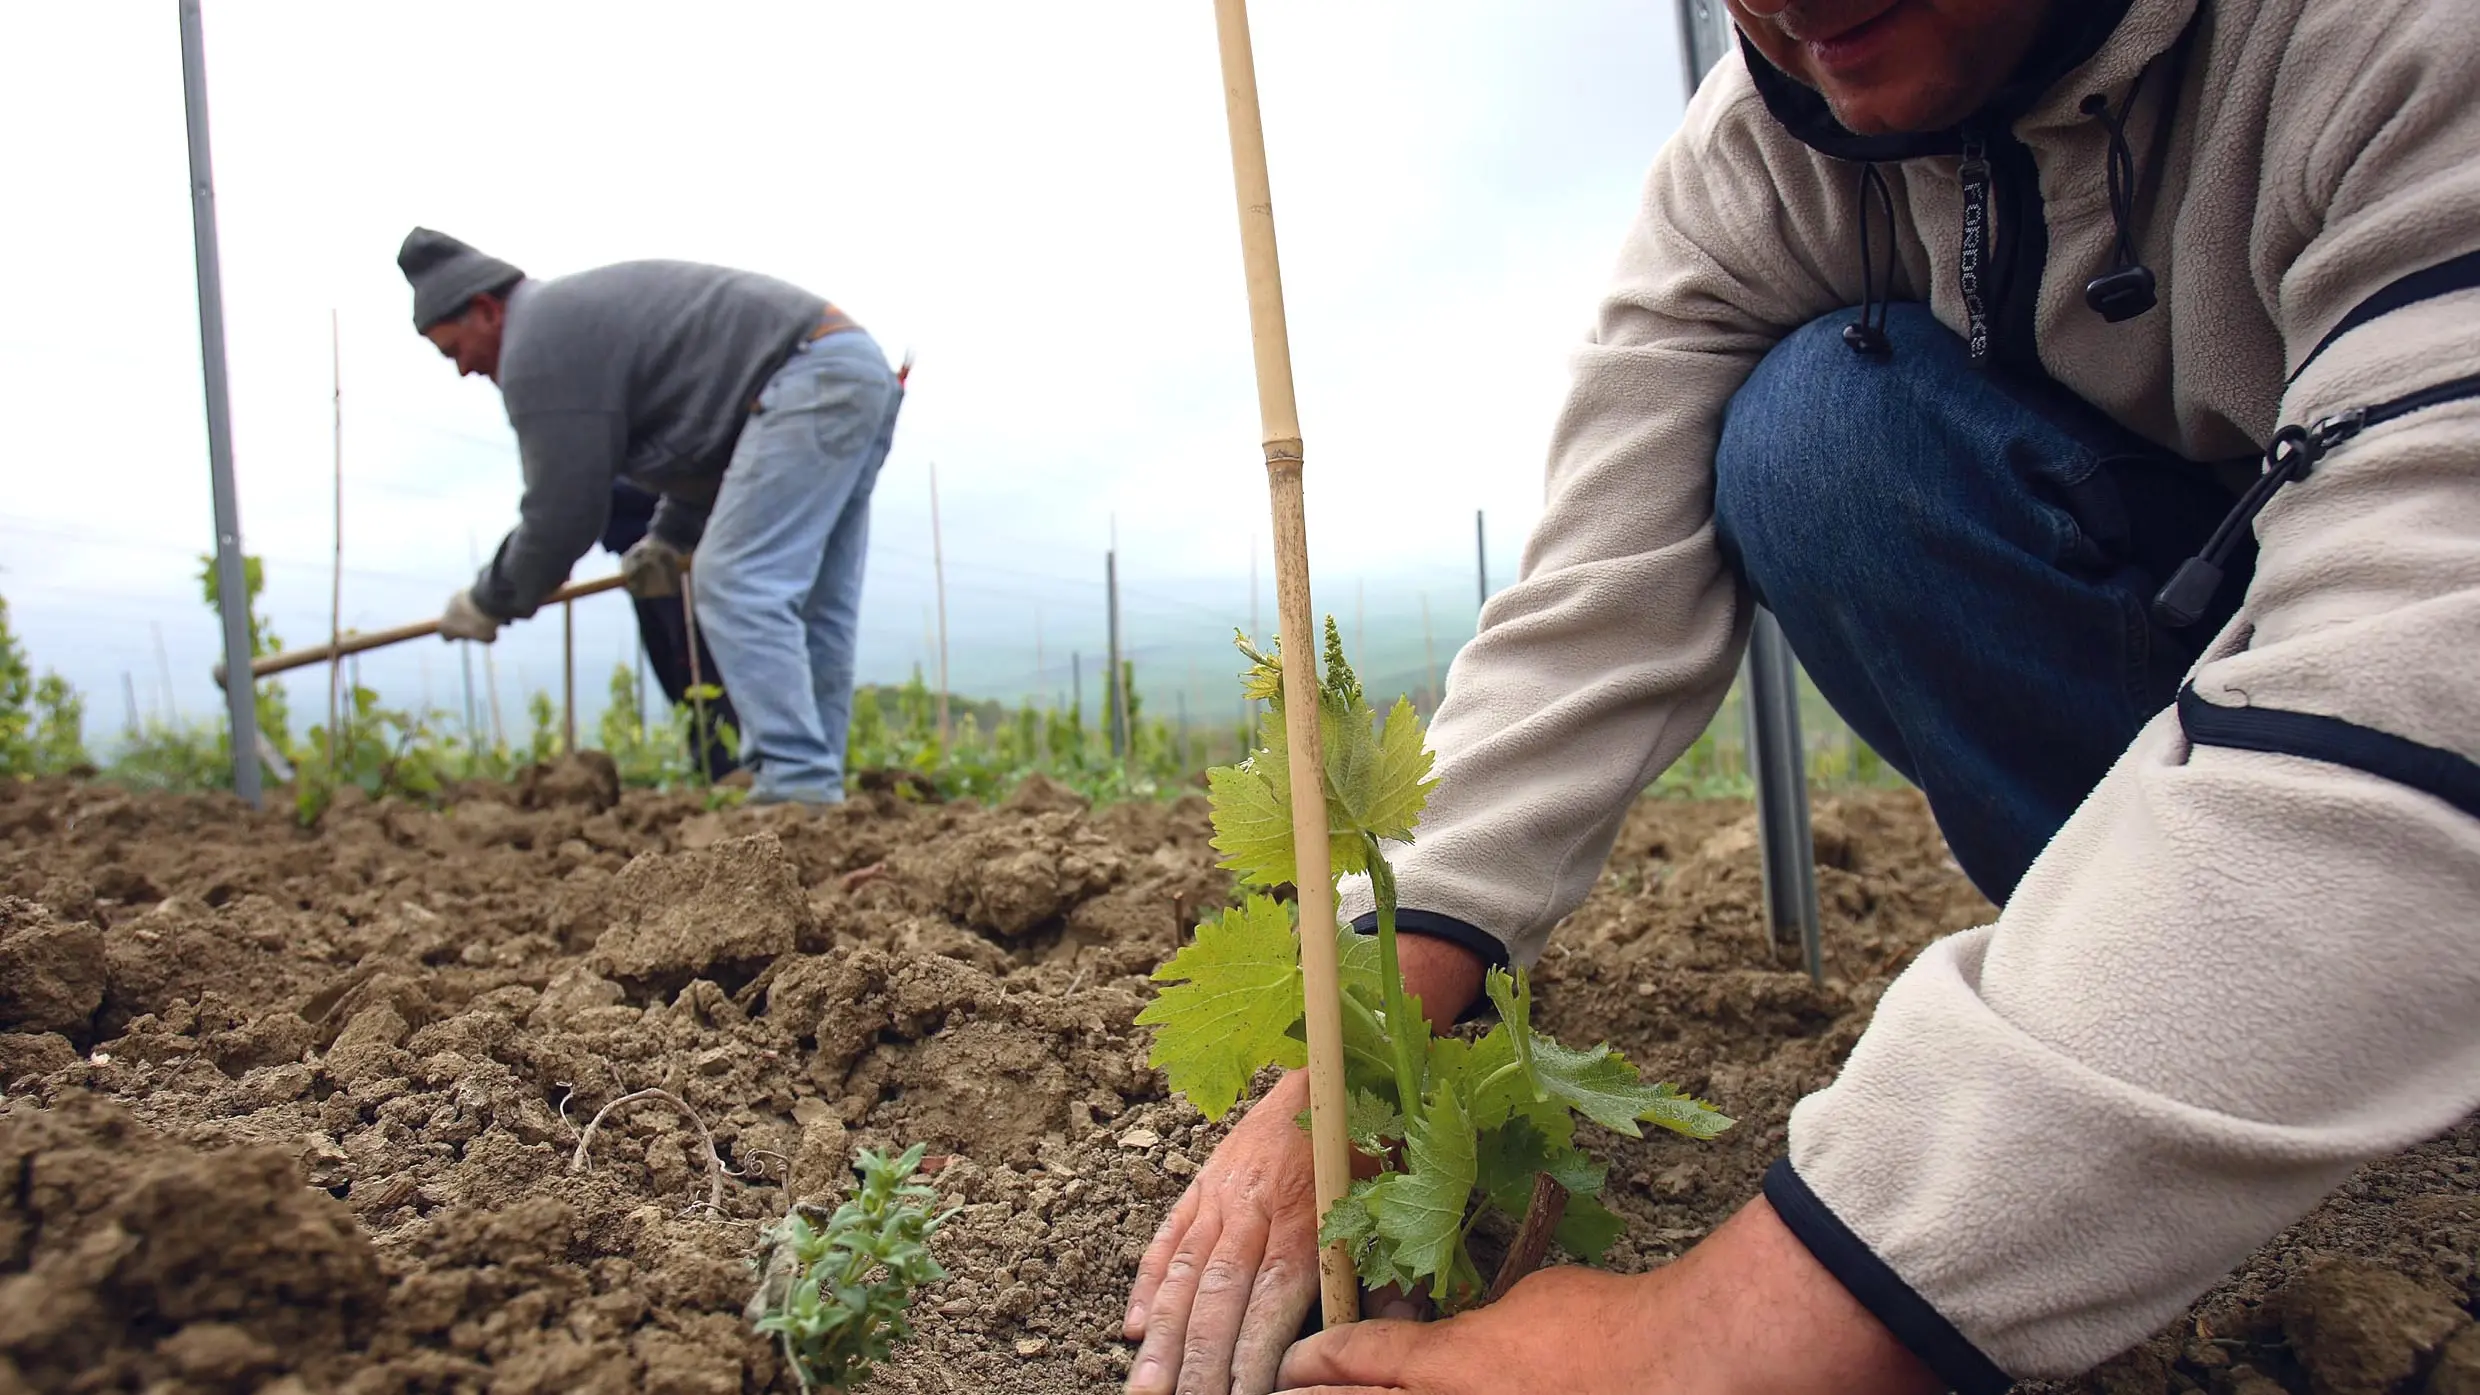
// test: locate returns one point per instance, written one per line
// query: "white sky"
(1035, 198)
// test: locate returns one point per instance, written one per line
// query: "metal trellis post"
(232, 588)
(1776, 751)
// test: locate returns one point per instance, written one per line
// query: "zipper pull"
(2329, 432)
(1973, 174)
(1975, 155)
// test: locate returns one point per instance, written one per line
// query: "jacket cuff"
(1441, 927)
(1914, 1323)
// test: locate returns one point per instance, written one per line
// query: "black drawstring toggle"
(2294, 452)
(2127, 291)
(2123, 294)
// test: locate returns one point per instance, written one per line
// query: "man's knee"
(1825, 448)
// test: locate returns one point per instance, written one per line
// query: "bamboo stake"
(1279, 416)
(335, 589)
(938, 572)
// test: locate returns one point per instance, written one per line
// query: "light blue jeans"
(778, 572)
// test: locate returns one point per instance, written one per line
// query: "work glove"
(466, 620)
(650, 569)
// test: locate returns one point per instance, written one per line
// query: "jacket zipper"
(1971, 272)
(2294, 452)
(2005, 244)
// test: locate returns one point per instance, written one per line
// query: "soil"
(296, 1112)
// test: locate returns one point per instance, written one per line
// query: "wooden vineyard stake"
(1279, 416)
(335, 593)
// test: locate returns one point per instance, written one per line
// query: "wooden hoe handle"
(381, 639)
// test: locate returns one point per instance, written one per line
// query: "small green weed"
(834, 1290)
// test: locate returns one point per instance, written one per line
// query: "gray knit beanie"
(447, 275)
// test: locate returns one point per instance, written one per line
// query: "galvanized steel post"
(232, 590)
(1777, 754)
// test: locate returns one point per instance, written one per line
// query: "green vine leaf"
(1601, 1085)
(1588, 1229)
(1509, 1157)
(1373, 1124)
(1382, 780)
(1420, 1211)
(1231, 1013)
(1377, 776)
(1253, 815)
(1684, 1114)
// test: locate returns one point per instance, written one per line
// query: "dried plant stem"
(579, 1161)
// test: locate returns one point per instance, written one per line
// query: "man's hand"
(1747, 1311)
(1229, 1277)
(465, 620)
(650, 569)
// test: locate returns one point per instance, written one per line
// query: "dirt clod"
(2458, 1366)
(581, 780)
(718, 913)
(135, 1258)
(51, 971)
(2362, 1330)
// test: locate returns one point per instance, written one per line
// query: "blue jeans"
(1965, 566)
(778, 573)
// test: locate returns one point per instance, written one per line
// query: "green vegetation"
(1460, 1125)
(379, 750)
(386, 751)
(834, 1290)
(42, 720)
(991, 749)
(1716, 766)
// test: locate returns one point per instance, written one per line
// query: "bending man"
(759, 412)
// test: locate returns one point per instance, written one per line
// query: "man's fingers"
(1277, 1305)
(1222, 1301)
(1157, 1258)
(1167, 1312)
(1376, 1353)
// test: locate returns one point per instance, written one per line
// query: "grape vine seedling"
(1461, 1126)
(834, 1290)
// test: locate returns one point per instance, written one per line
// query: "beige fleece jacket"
(2233, 976)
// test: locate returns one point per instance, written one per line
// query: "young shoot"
(1460, 1125)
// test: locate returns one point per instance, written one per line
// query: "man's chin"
(1883, 112)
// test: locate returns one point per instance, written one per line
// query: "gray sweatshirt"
(644, 370)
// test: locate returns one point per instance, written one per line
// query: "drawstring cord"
(1867, 335)
(2127, 290)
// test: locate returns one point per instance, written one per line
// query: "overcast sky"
(1035, 199)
